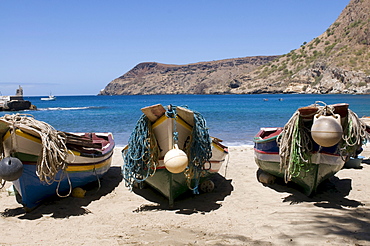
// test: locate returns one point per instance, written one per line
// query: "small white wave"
(61, 108)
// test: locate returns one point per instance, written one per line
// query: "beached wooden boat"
(293, 153)
(54, 162)
(324, 163)
(163, 130)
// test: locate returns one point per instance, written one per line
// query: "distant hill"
(199, 78)
(335, 62)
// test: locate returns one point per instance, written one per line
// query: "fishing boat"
(43, 162)
(171, 150)
(49, 98)
(313, 145)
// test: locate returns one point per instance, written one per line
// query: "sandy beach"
(240, 211)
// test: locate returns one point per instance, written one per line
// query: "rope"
(2, 183)
(69, 182)
(97, 178)
(171, 113)
(295, 144)
(200, 152)
(141, 157)
(354, 135)
(227, 165)
(54, 151)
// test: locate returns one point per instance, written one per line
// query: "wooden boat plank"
(154, 112)
(81, 141)
(186, 114)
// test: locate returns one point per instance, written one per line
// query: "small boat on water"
(43, 162)
(49, 98)
(171, 150)
(313, 146)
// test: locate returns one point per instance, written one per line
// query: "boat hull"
(309, 181)
(83, 168)
(323, 165)
(172, 185)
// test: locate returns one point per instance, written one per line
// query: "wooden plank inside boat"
(154, 112)
(82, 141)
(186, 114)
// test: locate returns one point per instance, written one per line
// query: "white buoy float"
(175, 160)
(326, 131)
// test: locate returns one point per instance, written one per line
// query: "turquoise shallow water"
(233, 118)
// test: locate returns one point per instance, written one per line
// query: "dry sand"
(240, 211)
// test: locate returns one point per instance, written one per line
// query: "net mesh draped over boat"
(53, 155)
(200, 152)
(141, 157)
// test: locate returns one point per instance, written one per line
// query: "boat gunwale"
(259, 139)
(104, 150)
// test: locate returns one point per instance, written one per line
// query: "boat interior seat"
(96, 139)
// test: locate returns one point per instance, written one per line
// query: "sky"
(76, 47)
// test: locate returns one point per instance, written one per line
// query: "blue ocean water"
(233, 118)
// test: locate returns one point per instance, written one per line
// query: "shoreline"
(240, 211)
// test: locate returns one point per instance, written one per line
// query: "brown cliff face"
(216, 77)
(335, 62)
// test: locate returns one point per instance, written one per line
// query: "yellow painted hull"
(83, 167)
